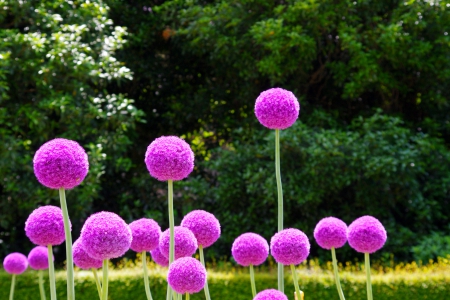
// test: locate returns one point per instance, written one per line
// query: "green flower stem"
(147, 285)
(51, 273)
(69, 256)
(187, 296)
(202, 259)
(336, 274)
(252, 280)
(280, 204)
(172, 235)
(41, 285)
(294, 277)
(97, 283)
(13, 283)
(180, 297)
(105, 280)
(369, 283)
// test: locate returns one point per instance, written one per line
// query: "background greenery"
(372, 78)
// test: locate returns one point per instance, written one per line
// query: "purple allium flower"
(146, 233)
(169, 158)
(290, 246)
(186, 275)
(366, 234)
(277, 108)
(204, 225)
(250, 249)
(45, 226)
(331, 233)
(38, 258)
(159, 258)
(270, 294)
(105, 235)
(61, 163)
(81, 259)
(15, 263)
(185, 242)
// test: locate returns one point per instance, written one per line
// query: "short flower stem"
(252, 279)
(172, 234)
(187, 296)
(280, 204)
(41, 285)
(105, 280)
(69, 256)
(202, 259)
(51, 273)
(13, 283)
(336, 274)
(294, 278)
(369, 283)
(147, 285)
(97, 283)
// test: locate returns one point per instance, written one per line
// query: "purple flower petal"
(330, 233)
(81, 259)
(146, 233)
(204, 225)
(186, 275)
(250, 249)
(45, 226)
(15, 263)
(38, 258)
(185, 242)
(159, 258)
(366, 234)
(270, 294)
(290, 246)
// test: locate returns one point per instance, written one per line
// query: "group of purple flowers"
(63, 164)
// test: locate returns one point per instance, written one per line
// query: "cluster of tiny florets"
(250, 249)
(45, 226)
(185, 242)
(146, 234)
(204, 225)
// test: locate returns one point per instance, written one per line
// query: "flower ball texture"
(38, 258)
(250, 249)
(146, 233)
(204, 225)
(270, 294)
(277, 108)
(159, 258)
(185, 242)
(331, 233)
(186, 275)
(15, 263)
(61, 163)
(105, 235)
(169, 158)
(290, 246)
(366, 234)
(81, 259)
(45, 226)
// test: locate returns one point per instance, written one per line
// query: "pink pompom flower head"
(169, 158)
(38, 258)
(146, 233)
(330, 233)
(277, 108)
(204, 225)
(15, 263)
(366, 234)
(250, 249)
(186, 275)
(290, 246)
(45, 226)
(270, 294)
(185, 242)
(81, 259)
(60, 163)
(159, 258)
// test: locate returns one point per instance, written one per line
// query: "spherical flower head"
(290, 246)
(81, 259)
(270, 294)
(61, 163)
(38, 258)
(185, 242)
(186, 275)
(45, 226)
(146, 233)
(169, 158)
(204, 225)
(159, 258)
(105, 235)
(250, 249)
(15, 263)
(366, 234)
(331, 233)
(277, 108)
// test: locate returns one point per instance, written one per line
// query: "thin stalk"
(51, 273)
(252, 280)
(41, 285)
(336, 274)
(180, 297)
(280, 204)
(187, 296)
(105, 280)
(97, 283)
(297, 288)
(13, 283)
(147, 285)
(202, 259)
(172, 234)
(369, 283)
(69, 256)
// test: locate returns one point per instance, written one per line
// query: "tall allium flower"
(186, 275)
(366, 235)
(331, 233)
(250, 249)
(270, 294)
(277, 109)
(15, 264)
(159, 258)
(38, 260)
(185, 242)
(62, 164)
